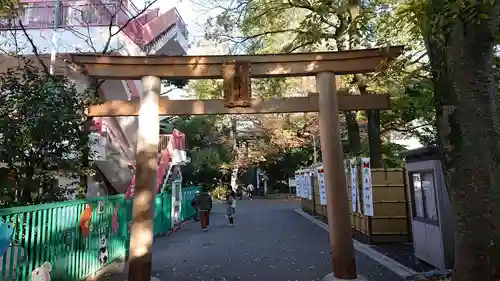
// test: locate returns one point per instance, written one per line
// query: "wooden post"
(141, 240)
(343, 256)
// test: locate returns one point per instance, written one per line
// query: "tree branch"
(128, 21)
(388, 129)
(34, 49)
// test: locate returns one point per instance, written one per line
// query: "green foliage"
(10, 8)
(264, 26)
(282, 166)
(206, 89)
(208, 148)
(41, 122)
(392, 155)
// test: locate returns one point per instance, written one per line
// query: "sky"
(191, 14)
(194, 19)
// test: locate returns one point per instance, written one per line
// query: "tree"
(41, 119)
(114, 18)
(208, 147)
(460, 38)
(261, 26)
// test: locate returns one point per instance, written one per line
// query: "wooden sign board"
(236, 81)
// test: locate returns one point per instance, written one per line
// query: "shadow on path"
(269, 241)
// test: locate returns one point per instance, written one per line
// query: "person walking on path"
(230, 208)
(250, 191)
(204, 204)
(196, 215)
(239, 192)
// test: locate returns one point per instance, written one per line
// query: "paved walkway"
(270, 241)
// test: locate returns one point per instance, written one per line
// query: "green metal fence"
(73, 239)
(187, 196)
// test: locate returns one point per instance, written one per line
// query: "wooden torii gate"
(236, 72)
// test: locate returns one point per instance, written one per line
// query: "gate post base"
(331, 277)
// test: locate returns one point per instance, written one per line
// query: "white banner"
(298, 180)
(305, 177)
(300, 184)
(366, 185)
(297, 184)
(354, 184)
(309, 184)
(321, 185)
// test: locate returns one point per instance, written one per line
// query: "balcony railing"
(164, 140)
(181, 25)
(177, 139)
(82, 14)
(75, 14)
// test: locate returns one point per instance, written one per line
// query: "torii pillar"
(141, 240)
(343, 254)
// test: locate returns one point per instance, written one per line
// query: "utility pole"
(315, 152)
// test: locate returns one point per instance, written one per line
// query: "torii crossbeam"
(258, 106)
(236, 72)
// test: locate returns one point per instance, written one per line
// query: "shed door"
(427, 236)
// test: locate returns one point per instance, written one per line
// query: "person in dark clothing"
(232, 193)
(230, 208)
(196, 215)
(239, 192)
(204, 204)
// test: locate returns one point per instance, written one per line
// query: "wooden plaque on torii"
(236, 82)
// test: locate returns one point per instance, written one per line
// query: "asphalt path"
(269, 241)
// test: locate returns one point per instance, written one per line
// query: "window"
(424, 197)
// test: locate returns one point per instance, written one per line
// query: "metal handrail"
(182, 26)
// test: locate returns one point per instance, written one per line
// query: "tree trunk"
(354, 8)
(82, 192)
(85, 162)
(353, 133)
(373, 116)
(468, 117)
(374, 142)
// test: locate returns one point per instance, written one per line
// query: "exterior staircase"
(171, 149)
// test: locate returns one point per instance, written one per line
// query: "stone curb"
(375, 255)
